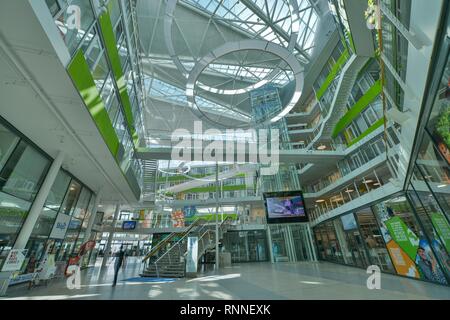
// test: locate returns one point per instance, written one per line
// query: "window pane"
(24, 172)
(83, 201)
(374, 241)
(71, 198)
(8, 142)
(58, 190)
(13, 212)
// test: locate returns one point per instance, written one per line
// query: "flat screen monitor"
(348, 222)
(129, 225)
(285, 207)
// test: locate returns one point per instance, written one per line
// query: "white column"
(269, 243)
(33, 215)
(217, 216)
(111, 235)
(92, 217)
(38, 203)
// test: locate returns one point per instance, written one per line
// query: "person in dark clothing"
(118, 264)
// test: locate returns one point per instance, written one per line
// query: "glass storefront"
(246, 246)
(400, 235)
(23, 168)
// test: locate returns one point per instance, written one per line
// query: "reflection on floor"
(245, 281)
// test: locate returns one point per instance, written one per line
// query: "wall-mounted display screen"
(285, 207)
(129, 225)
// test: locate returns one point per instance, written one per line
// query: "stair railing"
(163, 243)
(178, 244)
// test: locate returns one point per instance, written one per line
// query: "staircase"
(172, 263)
(344, 87)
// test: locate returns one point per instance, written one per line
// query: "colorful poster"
(403, 236)
(404, 265)
(442, 227)
(178, 219)
(15, 260)
(428, 265)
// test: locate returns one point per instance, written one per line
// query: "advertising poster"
(428, 265)
(404, 265)
(403, 236)
(192, 255)
(47, 267)
(412, 256)
(442, 227)
(60, 227)
(15, 259)
(178, 219)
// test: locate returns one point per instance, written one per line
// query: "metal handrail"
(166, 240)
(179, 242)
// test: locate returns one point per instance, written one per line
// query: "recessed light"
(322, 147)
(349, 190)
(442, 186)
(369, 181)
(377, 184)
(320, 200)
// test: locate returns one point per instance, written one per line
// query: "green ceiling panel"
(84, 82)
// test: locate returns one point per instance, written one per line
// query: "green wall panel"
(334, 71)
(84, 82)
(113, 55)
(372, 128)
(359, 106)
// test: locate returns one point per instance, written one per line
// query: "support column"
(33, 215)
(311, 243)
(217, 216)
(92, 217)
(111, 235)
(38, 204)
(269, 240)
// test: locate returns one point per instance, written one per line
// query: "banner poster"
(47, 267)
(178, 219)
(411, 255)
(15, 259)
(192, 255)
(442, 227)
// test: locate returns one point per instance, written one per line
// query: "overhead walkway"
(285, 156)
(212, 178)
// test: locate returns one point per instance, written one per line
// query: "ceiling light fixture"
(321, 147)
(320, 201)
(442, 186)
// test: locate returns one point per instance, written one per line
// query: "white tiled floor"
(259, 281)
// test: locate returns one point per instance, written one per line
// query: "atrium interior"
(224, 149)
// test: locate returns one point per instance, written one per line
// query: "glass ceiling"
(159, 89)
(270, 19)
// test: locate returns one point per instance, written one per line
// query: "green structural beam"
(359, 106)
(113, 55)
(371, 129)
(84, 82)
(333, 73)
